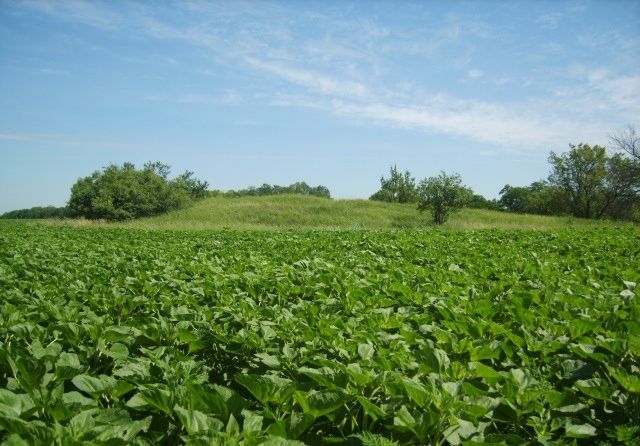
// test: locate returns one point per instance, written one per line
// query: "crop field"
(123, 336)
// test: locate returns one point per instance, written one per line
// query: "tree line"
(40, 212)
(586, 182)
(298, 188)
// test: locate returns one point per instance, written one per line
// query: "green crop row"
(118, 336)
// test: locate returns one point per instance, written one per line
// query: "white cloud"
(314, 81)
(15, 137)
(475, 73)
(550, 20)
(228, 97)
(346, 75)
(476, 120)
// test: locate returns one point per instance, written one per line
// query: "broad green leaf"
(93, 385)
(206, 399)
(232, 428)
(117, 351)
(417, 392)
(359, 376)
(371, 409)
(320, 403)
(49, 352)
(580, 430)
(12, 404)
(67, 366)
(158, 397)
(484, 371)
(196, 422)
(268, 360)
(252, 423)
(595, 388)
(298, 423)
(324, 376)
(267, 388)
(77, 400)
(462, 430)
(626, 380)
(366, 351)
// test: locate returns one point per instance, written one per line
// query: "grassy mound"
(297, 211)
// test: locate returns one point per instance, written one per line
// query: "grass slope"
(296, 211)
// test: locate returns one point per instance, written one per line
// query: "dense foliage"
(398, 188)
(124, 192)
(353, 337)
(585, 182)
(39, 212)
(443, 195)
(298, 188)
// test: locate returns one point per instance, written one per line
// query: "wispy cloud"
(550, 20)
(53, 71)
(476, 120)
(345, 71)
(474, 73)
(15, 137)
(229, 97)
(314, 81)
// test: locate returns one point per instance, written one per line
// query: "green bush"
(123, 192)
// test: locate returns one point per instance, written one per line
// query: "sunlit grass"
(300, 212)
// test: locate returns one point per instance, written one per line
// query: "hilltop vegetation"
(124, 192)
(305, 212)
(585, 182)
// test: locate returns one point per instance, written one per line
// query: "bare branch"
(628, 141)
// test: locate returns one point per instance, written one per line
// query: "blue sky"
(329, 92)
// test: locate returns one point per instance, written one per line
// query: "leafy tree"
(597, 185)
(621, 197)
(515, 198)
(581, 174)
(443, 195)
(123, 192)
(194, 187)
(478, 201)
(537, 198)
(398, 188)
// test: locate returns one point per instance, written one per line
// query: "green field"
(285, 337)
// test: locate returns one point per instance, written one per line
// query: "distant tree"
(123, 192)
(443, 195)
(398, 188)
(515, 198)
(39, 212)
(581, 175)
(621, 196)
(478, 201)
(194, 187)
(596, 185)
(298, 188)
(537, 198)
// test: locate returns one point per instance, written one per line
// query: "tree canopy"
(124, 192)
(442, 195)
(297, 188)
(398, 188)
